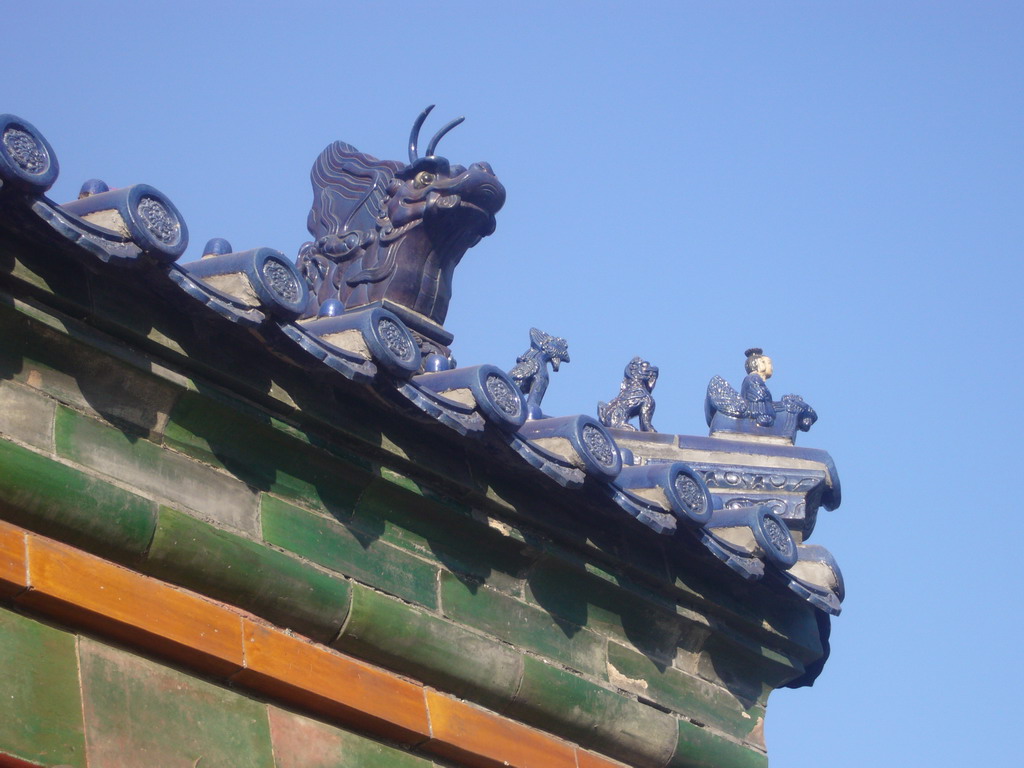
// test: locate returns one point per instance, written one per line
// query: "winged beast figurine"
(531, 370)
(391, 234)
(752, 409)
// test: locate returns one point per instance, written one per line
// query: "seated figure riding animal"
(752, 410)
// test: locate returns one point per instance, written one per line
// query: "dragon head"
(392, 232)
(457, 204)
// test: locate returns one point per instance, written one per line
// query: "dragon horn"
(414, 136)
(437, 136)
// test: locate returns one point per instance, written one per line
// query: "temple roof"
(734, 506)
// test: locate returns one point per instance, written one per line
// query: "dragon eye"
(423, 178)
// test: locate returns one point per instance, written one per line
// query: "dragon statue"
(634, 398)
(531, 370)
(391, 234)
(752, 409)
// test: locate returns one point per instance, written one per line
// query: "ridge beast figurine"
(531, 370)
(391, 234)
(634, 398)
(752, 410)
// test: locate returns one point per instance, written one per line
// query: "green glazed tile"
(156, 470)
(26, 415)
(625, 611)
(594, 717)
(64, 503)
(132, 311)
(389, 632)
(334, 546)
(263, 456)
(427, 453)
(300, 742)
(748, 670)
(250, 575)
(63, 279)
(700, 748)
(440, 530)
(40, 702)
(140, 713)
(76, 372)
(777, 619)
(794, 620)
(523, 625)
(691, 697)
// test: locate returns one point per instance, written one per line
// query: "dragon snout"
(490, 197)
(481, 187)
(470, 189)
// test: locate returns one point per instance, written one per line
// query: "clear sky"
(839, 183)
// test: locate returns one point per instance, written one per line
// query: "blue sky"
(839, 183)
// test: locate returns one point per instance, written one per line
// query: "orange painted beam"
(321, 680)
(586, 759)
(85, 591)
(482, 739)
(13, 560)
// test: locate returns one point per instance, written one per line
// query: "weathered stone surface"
(253, 576)
(523, 625)
(692, 697)
(157, 471)
(346, 551)
(140, 713)
(263, 455)
(40, 705)
(592, 716)
(303, 743)
(437, 652)
(26, 415)
(56, 500)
